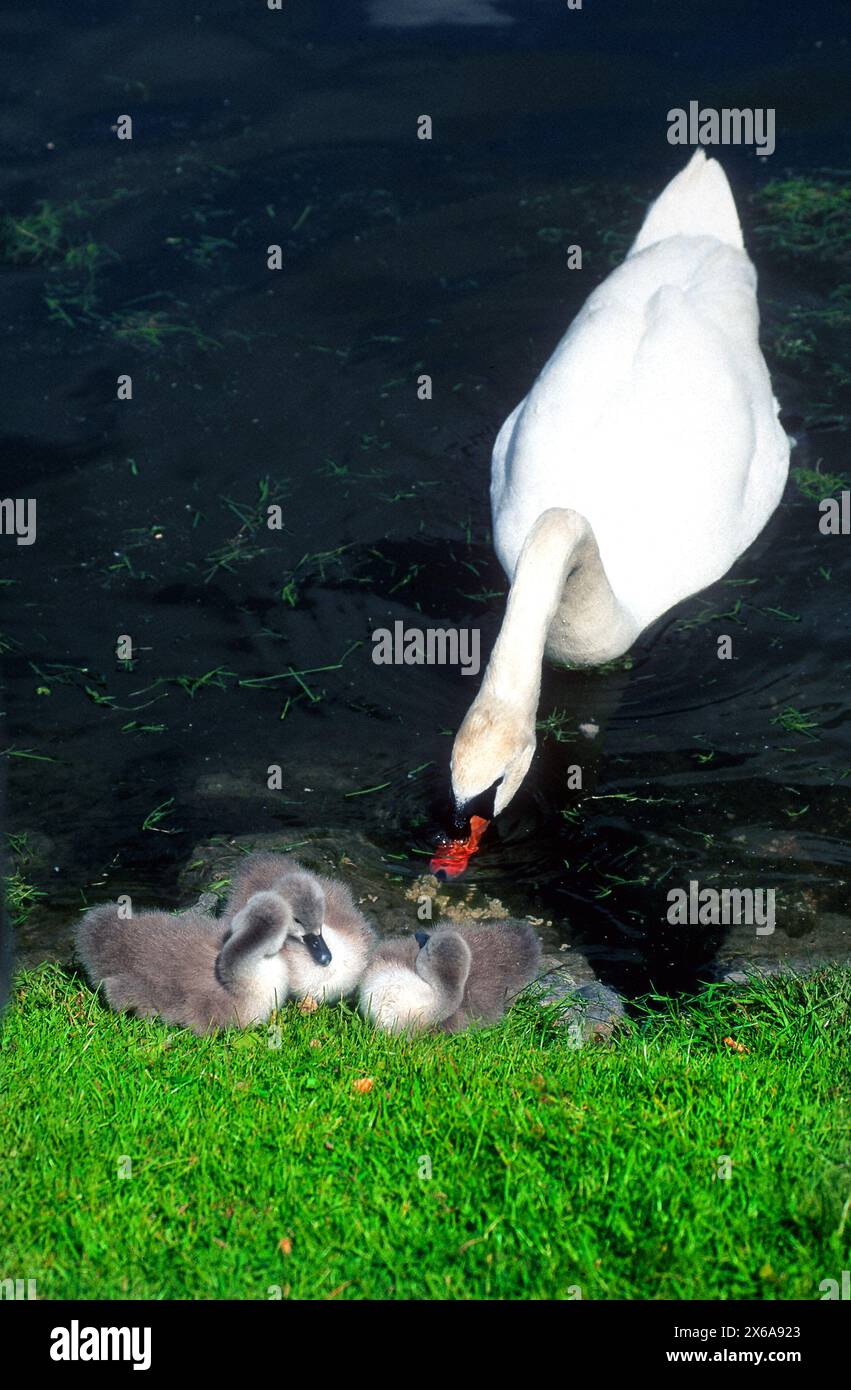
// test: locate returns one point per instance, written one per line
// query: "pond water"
(400, 256)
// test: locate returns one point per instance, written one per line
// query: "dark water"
(401, 256)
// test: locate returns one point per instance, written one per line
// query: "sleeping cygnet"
(413, 983)
(324, 907)
(449, 978)
(187, 968)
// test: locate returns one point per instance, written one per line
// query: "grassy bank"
(504, 1164)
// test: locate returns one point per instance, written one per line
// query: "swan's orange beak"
(453, 856)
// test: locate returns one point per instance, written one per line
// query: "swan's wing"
(654, 418)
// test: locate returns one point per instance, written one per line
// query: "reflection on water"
(252, 648)
(402, 14)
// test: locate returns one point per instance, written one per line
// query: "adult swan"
(645, 459)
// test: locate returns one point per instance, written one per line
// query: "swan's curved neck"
(561, 604)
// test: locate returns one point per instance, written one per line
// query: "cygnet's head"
(444, 961)
(307, 904)
(264, 923)
(490, 757)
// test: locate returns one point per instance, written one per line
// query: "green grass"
(258, 1168)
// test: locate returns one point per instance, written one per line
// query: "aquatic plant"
(21, 896)
(254, 517)
(50, 235)
(795, 721)
(559, 725)
(153, 328)
(809, 218)
(815, 485)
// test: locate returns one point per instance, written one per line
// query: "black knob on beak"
(481, 805)
(421, 937)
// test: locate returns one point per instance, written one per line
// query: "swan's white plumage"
(654, 418)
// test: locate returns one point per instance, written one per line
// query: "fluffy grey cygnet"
(188, 968)
(450, 978)
(324, 907)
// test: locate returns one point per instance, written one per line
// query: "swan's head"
(490, 756)
(306, 901)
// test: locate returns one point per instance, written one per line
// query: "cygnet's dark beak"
(421, 937)
(317, 948)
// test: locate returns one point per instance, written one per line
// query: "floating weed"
(27, 753)
(368, 791)
(632, 797)
(805, 218)
(145, 329)
(309, 565)
(125, 563)
(814, 337)
(333, 470)
(415, 771)
(19, 845)
(618, 663)
(258, 682)
(253, 516)
(814, 485)
(44, 233)
(190, 685)
(21, 897)
(618, 881)
(46, 237)
(302, 217)
(710, 615)
(407, 578)
(558, 725)
(483, 596)
(36, 236)
(98, 698)
(71, 291)
(794, 721)
(203, 253)
(781, 613)
(160, 813)
(792, 347)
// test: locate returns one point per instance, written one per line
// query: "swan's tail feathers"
(697, 202)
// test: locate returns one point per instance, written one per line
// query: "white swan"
(645, 459)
